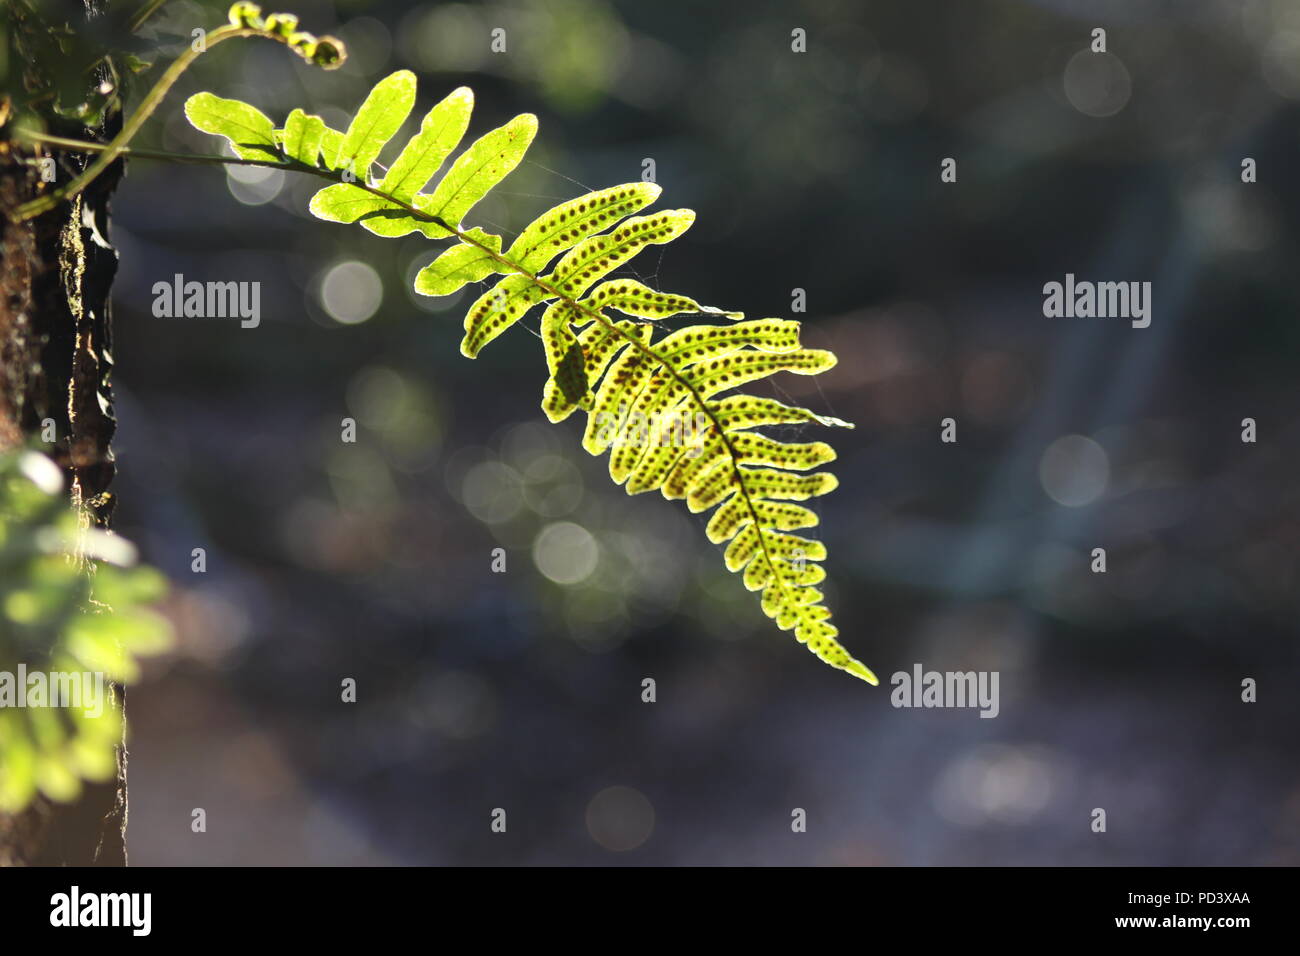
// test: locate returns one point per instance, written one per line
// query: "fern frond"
(652, 403)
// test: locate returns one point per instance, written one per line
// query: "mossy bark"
(55, 365)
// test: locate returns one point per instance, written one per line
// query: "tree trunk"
(55, 363)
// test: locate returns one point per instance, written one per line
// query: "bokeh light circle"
(565, 552)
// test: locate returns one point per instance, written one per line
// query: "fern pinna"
(652, 403)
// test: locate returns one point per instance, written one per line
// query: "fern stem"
(465, 237)
(79, 145)
(144, 13)
(117, 146)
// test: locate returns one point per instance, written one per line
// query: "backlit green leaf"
(302, 137)
(478, 169)
(380, 117)
(250, 132)
(565, 225)
(461, 264)
(439, 134)
(652, 402)
(596, 257)
(81, 622)
(497, 309)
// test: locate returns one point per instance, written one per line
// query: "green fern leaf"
(376, 122)
(344, 202)
(652, 404)
(564, 356)
(600, 345)
(72, 602)
(716, 376)
(380, 117)
(487, 161)
(301, 137)
(250, 131)
(769, 483)
(700, 342)
(330, 144)
(440, 133)
(633, 298)
(748, 411)
(497, 309)
(607, 417)
(565, 225)
(461, 264)
(600, 255)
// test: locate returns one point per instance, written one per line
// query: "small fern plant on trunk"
(663, 407)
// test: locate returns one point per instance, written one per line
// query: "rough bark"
(55, 365)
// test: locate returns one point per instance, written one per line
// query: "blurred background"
(817, 171)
